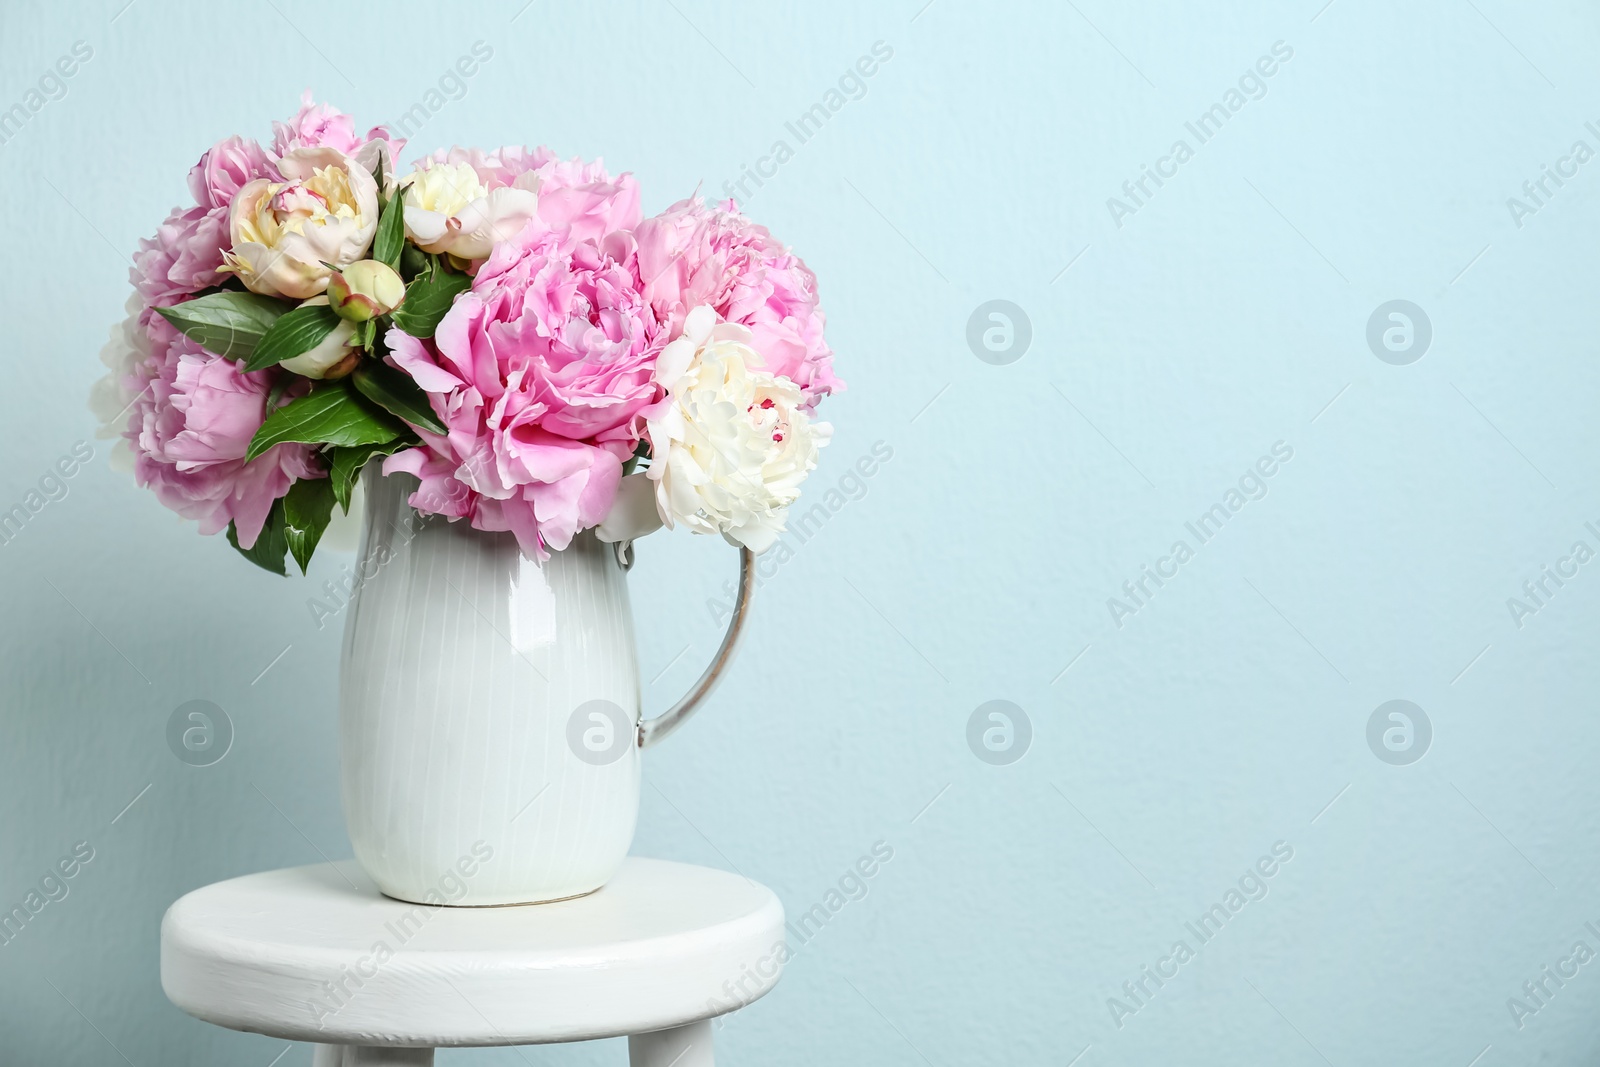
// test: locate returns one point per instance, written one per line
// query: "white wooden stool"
(318, 954)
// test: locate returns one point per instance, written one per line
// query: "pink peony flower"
(226, 168)
(497, 168)
(192, 420)
(573, 485)
(581, 200)
(691, 255)
(186, 254)
(543, 376)
(184, 257)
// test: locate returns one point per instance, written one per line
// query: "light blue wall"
(1227, 313)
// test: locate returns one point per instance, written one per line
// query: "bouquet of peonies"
(506, 326)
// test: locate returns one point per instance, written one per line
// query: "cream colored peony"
(449, 210)
(284, 233)
(730, 450)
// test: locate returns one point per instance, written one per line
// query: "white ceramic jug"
(489, 721)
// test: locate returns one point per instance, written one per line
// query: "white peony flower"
(449, 210)
(730, 450)
(112, 397)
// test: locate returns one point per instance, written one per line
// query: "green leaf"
(396, 393)
(275, 394)
(230, 324)
(365, 334)
(641, 452)
(295, 333)
(391, 235)
(331, 415)
(346, 464)
(306, 511)
(271, 543)
(413, 261)
(428, 298)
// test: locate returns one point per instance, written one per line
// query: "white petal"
(485, 222)
(757, 538)
(633, 513)
(698, 323)
(424, 226)
(674, 361)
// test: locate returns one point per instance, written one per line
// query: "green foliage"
(391, 235)
(306, 511)
(226, 322)
(267, 553)
(332, 414)
(295, 333)
(396, 393)
(428, 298)
(345, 465)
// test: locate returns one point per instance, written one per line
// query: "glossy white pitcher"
(489, 722)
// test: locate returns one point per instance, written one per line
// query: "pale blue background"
(1226, 715)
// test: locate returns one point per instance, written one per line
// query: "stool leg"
(327, 1056)
(682, 1046)
(369, 1056)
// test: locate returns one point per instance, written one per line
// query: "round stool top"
(318, 954)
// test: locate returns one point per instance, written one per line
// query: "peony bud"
(365, 290)
(325, 359)
(346, 366)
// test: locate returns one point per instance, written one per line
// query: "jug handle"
(653, 731)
